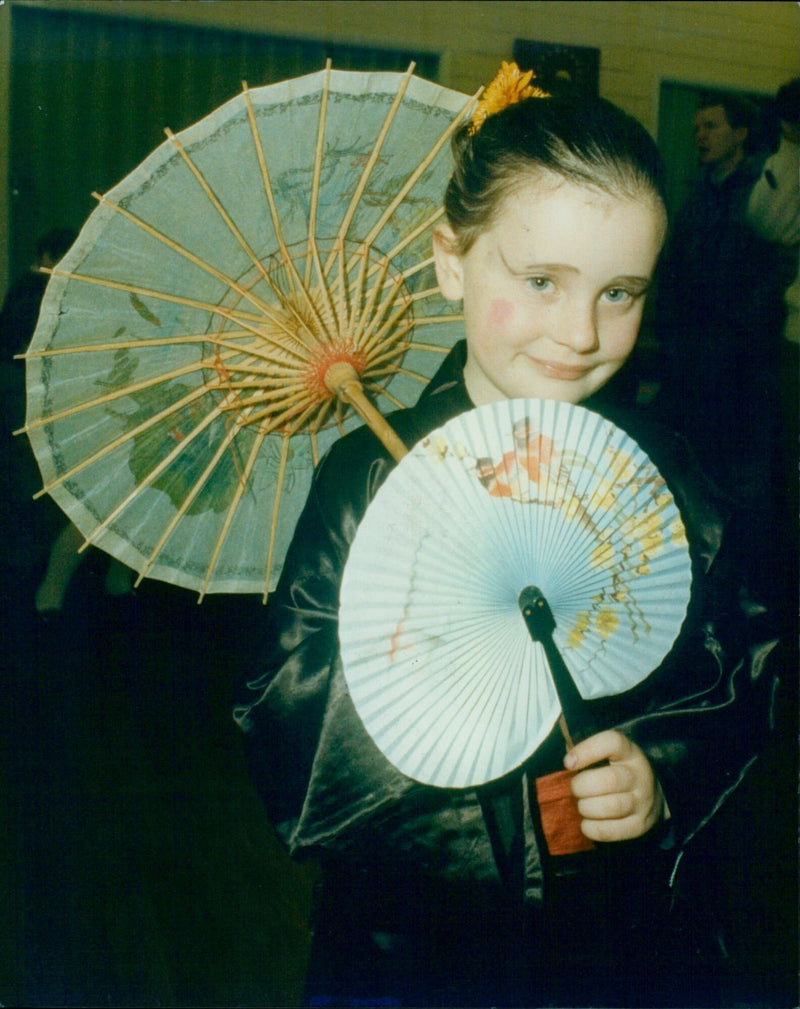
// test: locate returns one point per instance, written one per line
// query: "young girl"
(555, 220)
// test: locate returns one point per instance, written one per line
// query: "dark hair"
(587, 141)
(739, 111)
(55, 243)
(787, 101)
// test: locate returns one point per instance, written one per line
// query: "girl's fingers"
(608, 807)
(625, 829)
(619, 800)
(604, 781)
(610, 745)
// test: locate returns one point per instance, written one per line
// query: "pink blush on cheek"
(501, 313)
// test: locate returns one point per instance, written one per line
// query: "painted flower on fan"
(606, 622)
(573, 506)
(677, 531)
(651, 534)
(605, 495)
(510, 86)
(621, 466)
(602, 556)
(577, 633)
(435, 447)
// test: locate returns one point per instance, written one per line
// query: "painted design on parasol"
(246, 295)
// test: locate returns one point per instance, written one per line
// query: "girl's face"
(553, 289)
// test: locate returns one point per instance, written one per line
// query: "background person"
(18, 319)
(720, 311)
(21, 478)
(773, 210)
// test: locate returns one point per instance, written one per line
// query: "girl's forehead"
(590, 231)
(543, 185)
(543, 194)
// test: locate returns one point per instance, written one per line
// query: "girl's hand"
(622, 799)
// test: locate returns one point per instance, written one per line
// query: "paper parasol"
(437, 656)
(211, 331)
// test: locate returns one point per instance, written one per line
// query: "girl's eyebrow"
(631, 281)
(534, 267)
(552, 267)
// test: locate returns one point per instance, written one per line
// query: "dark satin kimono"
(700, 717)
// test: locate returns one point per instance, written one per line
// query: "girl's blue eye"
(617, 295)
(540, 283)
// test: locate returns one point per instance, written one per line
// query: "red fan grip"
(561, 820)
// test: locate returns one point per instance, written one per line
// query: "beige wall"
(749, 46)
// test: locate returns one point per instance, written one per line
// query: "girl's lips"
(553, 369)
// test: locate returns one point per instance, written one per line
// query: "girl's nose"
(578, 330)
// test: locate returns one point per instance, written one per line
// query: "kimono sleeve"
(285, 696)
(715, 700)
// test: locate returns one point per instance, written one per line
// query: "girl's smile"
(562, 371)
(553, 289)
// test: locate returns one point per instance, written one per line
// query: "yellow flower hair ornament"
(509, 87)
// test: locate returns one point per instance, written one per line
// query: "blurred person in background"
(719, 317)
(20, 476)
(773, 210)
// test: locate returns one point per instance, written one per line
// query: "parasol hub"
(338, 370)
(341, 377)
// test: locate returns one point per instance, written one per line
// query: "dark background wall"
(748, 46)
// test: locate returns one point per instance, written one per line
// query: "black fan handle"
(541, 623)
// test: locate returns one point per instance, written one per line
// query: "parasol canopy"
(224, 311)
(438, 659)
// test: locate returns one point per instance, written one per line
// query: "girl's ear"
(448, 263)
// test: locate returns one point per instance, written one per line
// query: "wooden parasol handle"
(342, 379)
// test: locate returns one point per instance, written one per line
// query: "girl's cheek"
(501, 314)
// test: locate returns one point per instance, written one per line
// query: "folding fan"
(513, 496)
